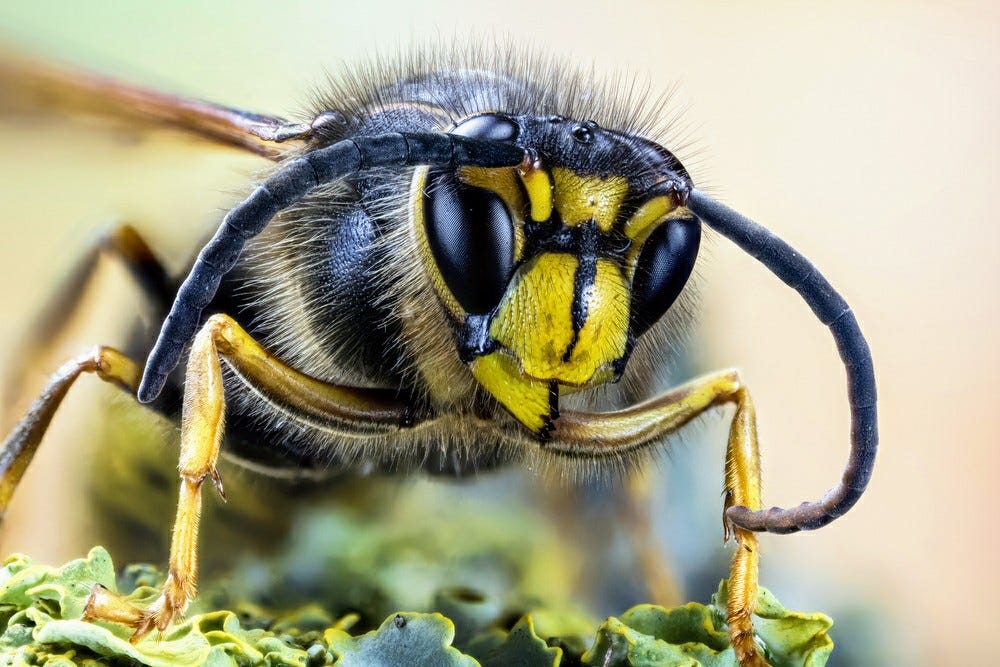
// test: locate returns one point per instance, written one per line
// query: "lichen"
(360, 614)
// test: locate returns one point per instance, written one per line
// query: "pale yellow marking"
(604, 334)
(539, 186)
(499, 181)
(580, 199)
(644, 220)
(526, 399)
(535, 321)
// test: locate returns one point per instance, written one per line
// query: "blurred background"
(865, 134)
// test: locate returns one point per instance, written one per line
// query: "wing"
(29, 86)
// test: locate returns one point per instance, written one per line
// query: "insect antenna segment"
(832, 310)
(294, 181)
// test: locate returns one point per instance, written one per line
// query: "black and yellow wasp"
(450, 262)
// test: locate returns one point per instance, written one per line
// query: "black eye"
(664, 266)
(583, 134)
(469, 229)
(471, 236)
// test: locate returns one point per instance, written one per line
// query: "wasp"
(453, 262)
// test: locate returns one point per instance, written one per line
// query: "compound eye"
(665, 263)
(471, 236)
(488, 126)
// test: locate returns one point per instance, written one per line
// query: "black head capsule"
(564, 246)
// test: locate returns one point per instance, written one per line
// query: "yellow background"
(866, 134)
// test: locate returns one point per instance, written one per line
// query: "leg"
(201, 436)
(125, 244)
(743, 489)
(20, 446)
(619, 434)
(122, 243)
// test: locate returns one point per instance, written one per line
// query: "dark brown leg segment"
(121, 243)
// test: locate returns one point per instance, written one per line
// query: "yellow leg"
(20, 446)
(621, 433)
(201, 437)
(124, 244)
(743, 488)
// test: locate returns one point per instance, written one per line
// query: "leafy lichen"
(41, 606)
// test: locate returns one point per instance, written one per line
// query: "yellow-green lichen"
(41, 606)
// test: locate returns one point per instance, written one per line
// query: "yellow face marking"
(539, 187)
(605, 331)
(525, 398)
(535, 320)
(582, 198)
(650, 215)
(643, 221)
(502, 182)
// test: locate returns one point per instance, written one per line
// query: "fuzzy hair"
(450, 86)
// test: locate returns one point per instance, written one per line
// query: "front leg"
(618, 434)
(202, 420)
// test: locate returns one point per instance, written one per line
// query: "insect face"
(552, 269)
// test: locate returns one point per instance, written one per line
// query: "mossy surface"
(386, 598)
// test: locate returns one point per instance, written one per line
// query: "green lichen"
(41, 606)
(694, 635)
(404, 638)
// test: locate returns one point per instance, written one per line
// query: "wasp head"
(553, 269)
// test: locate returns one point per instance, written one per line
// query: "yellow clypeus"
(535, 320)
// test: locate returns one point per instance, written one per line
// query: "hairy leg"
(202, 425)
(615, 434)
